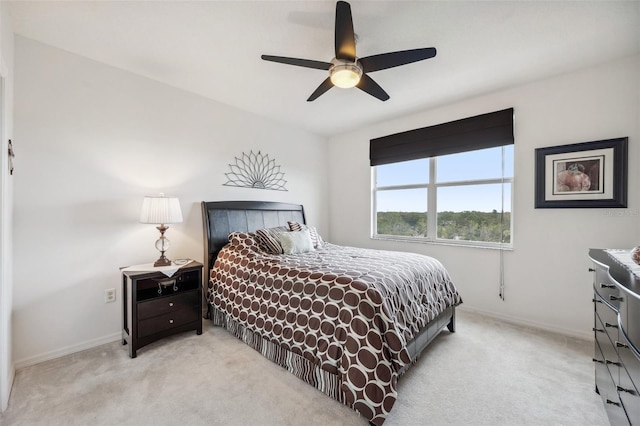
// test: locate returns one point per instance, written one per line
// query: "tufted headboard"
(222, 217)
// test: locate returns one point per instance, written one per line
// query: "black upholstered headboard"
(222, 217)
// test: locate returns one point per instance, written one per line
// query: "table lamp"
(160, 210)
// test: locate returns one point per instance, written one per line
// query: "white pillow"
(296, 242)
(315, 237)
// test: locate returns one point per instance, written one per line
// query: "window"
(459, 195)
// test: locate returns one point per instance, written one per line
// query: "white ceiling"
(213, 48)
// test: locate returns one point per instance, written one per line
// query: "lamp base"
(162, 261)
(162, 245)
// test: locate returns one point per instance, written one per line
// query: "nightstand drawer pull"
(170, 321)
(614, 298)
(597, 330)
(166, 284)
(596, 300)
(606, 324)
(621, 345)
(170, 303)
(598, 361)
(603, 285)
(617, 364)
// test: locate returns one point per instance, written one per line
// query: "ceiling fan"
(346, 69)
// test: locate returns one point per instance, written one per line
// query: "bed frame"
(222, 217)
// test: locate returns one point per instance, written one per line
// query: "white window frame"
(432, 219)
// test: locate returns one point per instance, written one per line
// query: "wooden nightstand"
(156, 305)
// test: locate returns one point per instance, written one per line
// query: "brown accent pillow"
(269, 240)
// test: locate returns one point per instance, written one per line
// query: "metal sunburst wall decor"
(255, 171)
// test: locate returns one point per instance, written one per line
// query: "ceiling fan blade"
(395, 59)
(345, 38)
(326, 85)
(307, 63)
(366, 84)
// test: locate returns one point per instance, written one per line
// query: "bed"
(346, 320)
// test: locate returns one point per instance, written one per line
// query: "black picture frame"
(582, 175)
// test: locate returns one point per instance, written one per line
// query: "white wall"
(93, 141)
(547, 282)
(6, 207)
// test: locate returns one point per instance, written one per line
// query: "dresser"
(616, 328)
(156, 305)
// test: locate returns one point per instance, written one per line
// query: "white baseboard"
(47, 356)
(532, 324)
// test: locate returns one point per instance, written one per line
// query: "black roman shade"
(468, 134)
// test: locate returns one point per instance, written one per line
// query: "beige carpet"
(487, 373)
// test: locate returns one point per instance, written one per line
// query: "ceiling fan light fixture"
(345, 74)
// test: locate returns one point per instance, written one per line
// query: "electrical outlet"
(110, 295)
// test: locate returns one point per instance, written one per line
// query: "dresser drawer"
(630, 360)
(608, 317)
(163, 305)
(609, 355)
(630, 318)
(167, 321)
(608, 392)
(603, 285)
(629, 396)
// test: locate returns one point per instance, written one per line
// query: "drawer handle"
(617, 404)
(621, 389)
(170, 304)
(591, 270)
(617, 364)
(170, 321)
(621, 345)
(598, 361)
(598, 330)
(603, 285)
(615, 298)
(606, 324)
(596, 300)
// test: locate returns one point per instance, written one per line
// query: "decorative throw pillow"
(313, 232)
(268, 238)
(296, 242)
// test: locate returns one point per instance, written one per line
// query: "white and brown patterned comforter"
(348, 312)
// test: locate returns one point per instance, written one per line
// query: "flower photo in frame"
(582, 175)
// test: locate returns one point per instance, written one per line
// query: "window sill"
(468, 244)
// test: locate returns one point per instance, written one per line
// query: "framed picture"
(582, 175)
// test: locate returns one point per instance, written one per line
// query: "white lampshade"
(159, 209)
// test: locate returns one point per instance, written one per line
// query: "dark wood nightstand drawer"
(163, 305)
(167, 321)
